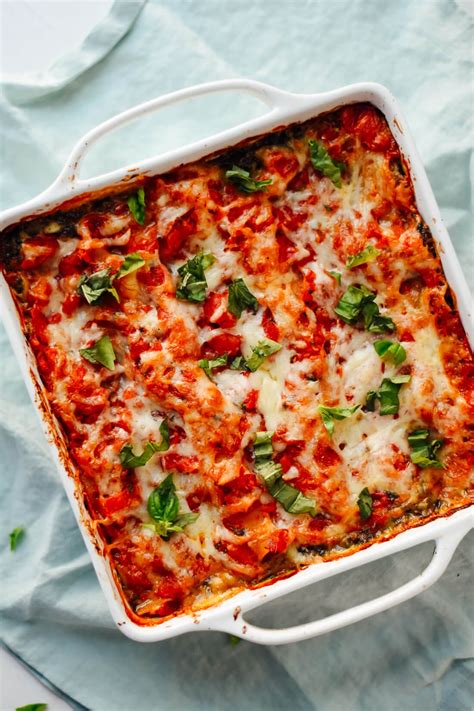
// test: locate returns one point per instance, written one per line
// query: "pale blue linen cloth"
(416, 656)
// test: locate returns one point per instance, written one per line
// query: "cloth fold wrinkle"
(53, 612)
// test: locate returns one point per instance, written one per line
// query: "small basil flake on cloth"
(423, 450)
(163, 507)
(130, 460)
(336, 275)
(270, 472)
(209, 365)
(131, 263)
(367, 255)
(364, 502)
(16, 536)
(32, 707)
(102, 353)
(243, 180)
(387, 395)
(93, 286)
(240, 298)
(330, 414)
(322, 161)
(136, 204)
(358, 302)
(192, 283)
(390, 351)
(234, 640)
(264, 348)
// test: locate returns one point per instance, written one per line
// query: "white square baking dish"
(283, 108)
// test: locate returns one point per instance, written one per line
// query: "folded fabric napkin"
(415, 656)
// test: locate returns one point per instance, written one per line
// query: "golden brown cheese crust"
(357, 478)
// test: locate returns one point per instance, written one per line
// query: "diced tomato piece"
(215, 310)
(70, 304)
(282, 163)
(382, 210)
(38, 250)
(168, 608)
(325, 456)
(250, 402)
(39, 324)
(170, 588)
(373, 131)
(116, 502)
(319, 522)
(177, 462)
(222, 344)
(182, 228)
(154, 276)
(406, 335)
(197, 497)
(269, 326)
(240, 485)
(286, 248)
(289, 219)
(278, 542)
(73, 263)
(300, 181)
(242, 554)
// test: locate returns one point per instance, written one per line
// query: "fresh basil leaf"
(136, 204)
(32, 707)
(423, 450)
(163, 507)
(102, 353)
(359, 302)
(242, 179)
(336, 275)
(93, 286)
(16, 536)
(390, 351)
(239, 363)
(387, 395)
(131, 263)
(270, 472)
(365, 503)
(192, 283)
(330, 414)
(130, 460)
(234, 640)
(367, 255)
(209, 365)
(374, 322)
(322, 161)
(262, 446)
(264, 348)
(240, 298)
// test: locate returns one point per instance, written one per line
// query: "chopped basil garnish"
(239, 363)
(387, 395)
(208, 365)
(291, 498)
(131, 263)
(330, 414)
(242, 179)
(323, 162)
(93, 286)
(15, 537)
(240, 298)
(336, 275)
(136, 204)
(364, 502)
(359, 302)
(264, 348)
(192, 283)
(163, 507)
(390, 350)
(423, 450)
(130, 460)
(32, 707)
(367, 255)
(102, 353)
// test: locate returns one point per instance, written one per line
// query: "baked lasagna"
(255, 360)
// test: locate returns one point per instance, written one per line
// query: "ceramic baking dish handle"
(446, 544)
(277, 100)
